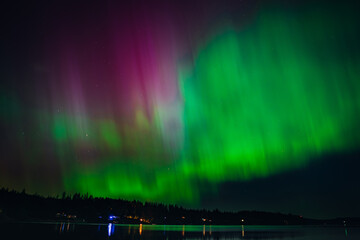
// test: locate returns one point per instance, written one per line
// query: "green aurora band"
(255, 100)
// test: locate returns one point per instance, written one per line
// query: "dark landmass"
(15, 207)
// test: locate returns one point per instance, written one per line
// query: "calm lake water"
(119, 231)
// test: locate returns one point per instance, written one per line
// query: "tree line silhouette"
(20, 206)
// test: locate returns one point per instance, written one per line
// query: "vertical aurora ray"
(146, 110)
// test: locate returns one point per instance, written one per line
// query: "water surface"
(63, 230)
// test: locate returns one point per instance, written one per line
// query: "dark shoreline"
(22, 207)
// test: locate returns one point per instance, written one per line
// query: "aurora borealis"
(168, 101)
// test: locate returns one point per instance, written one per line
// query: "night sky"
(236, 105)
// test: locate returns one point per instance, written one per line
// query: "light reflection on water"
(111, 229)
(65, 227)
(66, 230)
(206, 231)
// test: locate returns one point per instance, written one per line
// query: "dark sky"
(236, 105)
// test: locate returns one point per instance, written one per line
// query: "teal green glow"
(109, 134)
